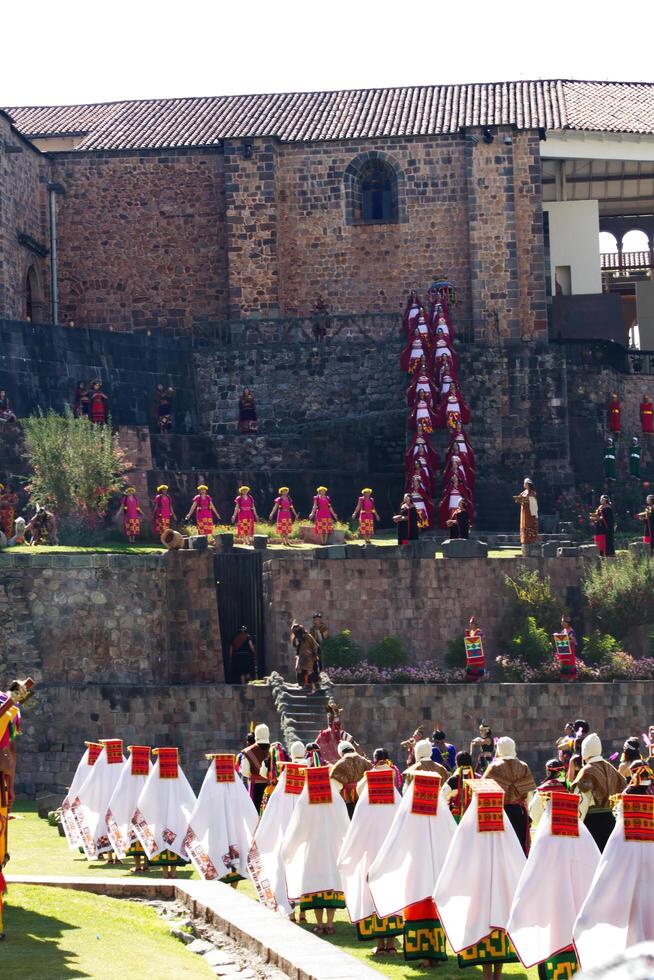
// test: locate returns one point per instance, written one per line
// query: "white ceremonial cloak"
(221, 827)
(265, 858)
(90, 807)
(552, 887)
(618, 911)
(475, 889)
(411, 857)
(162, 813)
(312, 843)
(367, 832)
(68, 822)
(121, 808)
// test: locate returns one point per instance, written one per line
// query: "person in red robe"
(414, 349)
(98, 404)
(614, 413)
(452, 410)
(422, 413)
(423, 475)
(422, 382)
(420, 447)
(647, 415)
(443, 325)
(460, 446)
(442, 347)
(453, 493)
(423, 505)
(411, 311)
(454, 466)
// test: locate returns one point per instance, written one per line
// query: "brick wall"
(422, 601)
(110, 619)
(23, 209)
(142, 238)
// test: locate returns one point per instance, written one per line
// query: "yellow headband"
(366, 490)
(164, 486)
(203, 487)
(283, 490)
(243, 489)
(130, 490)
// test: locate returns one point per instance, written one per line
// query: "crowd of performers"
(435, 400)
(563, 876)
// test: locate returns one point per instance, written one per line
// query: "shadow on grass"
(31, 946)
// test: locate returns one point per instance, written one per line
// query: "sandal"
(329, 930)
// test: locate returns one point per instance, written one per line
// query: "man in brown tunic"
(348, 771)
(307, 653)
(424, 763)
(596, 783)
(516, 779)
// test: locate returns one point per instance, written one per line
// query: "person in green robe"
(609, 460)
(634, 458)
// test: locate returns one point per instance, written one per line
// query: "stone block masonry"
(424, 602)
(110, 619)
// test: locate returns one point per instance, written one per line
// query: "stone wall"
(425, 602)
(110, 619)
(202, 718)
(197, 718)
(23, 211)
(142, 238)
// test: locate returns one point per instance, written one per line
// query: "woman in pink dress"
(323, 515)
(131, 511)
(366, 512)
(204, 510)
(285, 510)
(245, 514)
(162, 511)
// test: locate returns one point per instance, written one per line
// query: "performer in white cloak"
(476, 886)
(68, 822)
(122, 804)
(618, 911)
(373, 815)
(163, 811)
(311, 846)
(552, 887)
(90, 807)
(265, 858)
(222, 824)
(403, 875)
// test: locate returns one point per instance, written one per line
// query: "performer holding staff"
(604, 521)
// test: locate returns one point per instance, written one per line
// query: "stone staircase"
(301, 715)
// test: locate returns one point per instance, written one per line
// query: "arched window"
(374, 190)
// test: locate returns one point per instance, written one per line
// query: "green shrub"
(341, 651)
(620, 594)
(530, 595)
(533, 645)
(598, 648)
(456, 652)
(389, 652)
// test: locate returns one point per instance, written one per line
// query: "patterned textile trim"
(203, 863)
(232, 878)
(245, 527)
(565, 814)
(135, 848)
(205, 525)
(295, 776)
(94, 752)
(224, 768)
(425, 794)
(140, 757)
(323, 525)
(168, 858)
(168, 763)
(322, 900)
(424, 937)
(490, 813)
(284, 525)
(375, 928)
(320, 790)
(421, 518)
(366, 526)
(161, 524)
(114, 750)
(381, 786)
(638, 817)
(474, 651)
(561, 966)
(496, 947)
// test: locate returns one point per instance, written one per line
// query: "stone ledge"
(301, 955)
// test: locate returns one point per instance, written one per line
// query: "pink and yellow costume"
(161, 512)
(203, 513)
(131, 520)
(366, 516)
(284, 506)
(245, 507)
(323, 522)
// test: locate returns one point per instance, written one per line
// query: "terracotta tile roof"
(360, 113)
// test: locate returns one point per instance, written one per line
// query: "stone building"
(181, 212)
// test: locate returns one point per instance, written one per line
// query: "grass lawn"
(119, 548)
(70, 921)
(59, 934)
